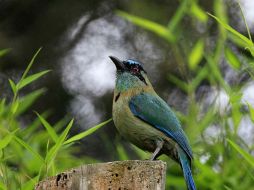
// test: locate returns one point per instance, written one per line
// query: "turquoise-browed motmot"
(144, 119)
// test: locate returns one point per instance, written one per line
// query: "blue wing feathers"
(153, 110)
(177, 136)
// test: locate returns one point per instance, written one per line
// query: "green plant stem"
(245, 22)
(180, 61)
(178, 15)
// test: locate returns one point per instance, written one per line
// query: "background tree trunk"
(119, 175)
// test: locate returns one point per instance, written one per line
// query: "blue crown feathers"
(132, 62)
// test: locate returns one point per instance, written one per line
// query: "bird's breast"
(132, 128)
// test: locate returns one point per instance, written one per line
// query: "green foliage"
(149, 25)
(29, 152)
(248, 42)
(217, 159)
(195, 55)
(86, 133)
(248, 157)
(3, 52)
(232, 59)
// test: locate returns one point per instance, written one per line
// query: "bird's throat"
(127, 81)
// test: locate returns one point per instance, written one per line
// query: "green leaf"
(196, 54)
(4, 51)
(48, 127)
(2, 186)
(232, 59)
(248, 157)
(232, 30)
(248, 42)
(30, 65)
(141, 153)
(28, 100)
(245, 22)
(34, 125)
(53, 151)
(29, 148)
(3, 108)
(216, 73)
(201, 75)
(87, 132)
(31, 78)
(235, 100)
(6, 140)
(180, 12)
(206, 169)
(207, 119)
(178, 82)
(61, 123)
(237, 41)
(154, 27)
(30, 184)
(251, 110)
(15, 106)
(176, 181)
(13, 86)
(121, 152)
(227, 188)
(198, 12)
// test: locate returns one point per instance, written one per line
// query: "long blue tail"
(185, 164)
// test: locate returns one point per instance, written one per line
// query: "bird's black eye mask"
(135, 69)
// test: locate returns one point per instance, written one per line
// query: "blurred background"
(197, 64)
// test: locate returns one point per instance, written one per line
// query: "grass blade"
(232, 59)
(233, 31)
(3, 107)
(28, 100)
(3, 52)
(34, 125)
(178, 82)
(30, 184)
(196, 54)
(87, 132)
(48, 127)
(28, 67)
(201, 75)
(178, 15)
(5, 141)
(13, 86)
(122, 155)
(154, 27)
(29, 148)
(251, 110)
(248, 157)
(53, 151)
(245, 22)
(198, 12)
(2, 186)
(31, 78)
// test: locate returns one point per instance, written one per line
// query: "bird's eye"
(135, 69)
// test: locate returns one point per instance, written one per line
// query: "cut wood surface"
(118, 175)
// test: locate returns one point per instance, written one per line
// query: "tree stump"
(119, 175)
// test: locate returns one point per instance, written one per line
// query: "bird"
(142, 117)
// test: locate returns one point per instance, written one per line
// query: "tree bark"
(119, 175)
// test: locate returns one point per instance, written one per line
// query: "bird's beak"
(118, 63)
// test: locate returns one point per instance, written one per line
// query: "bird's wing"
(154, 111)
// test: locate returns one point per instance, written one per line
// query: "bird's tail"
(186, 167)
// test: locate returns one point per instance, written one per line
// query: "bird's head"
(130, 74)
